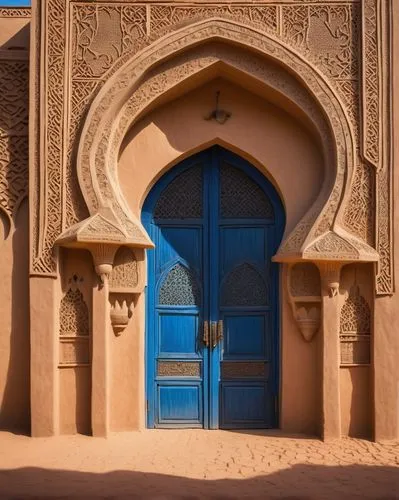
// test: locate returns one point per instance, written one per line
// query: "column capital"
(103, 257)
(330, 274)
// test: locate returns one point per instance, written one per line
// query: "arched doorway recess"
(136, 88)
(212, 300)
(138, 83)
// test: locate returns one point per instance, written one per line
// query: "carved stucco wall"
(14, 305)
(14, 78)
(344, 40)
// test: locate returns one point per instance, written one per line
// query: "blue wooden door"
(212, 295)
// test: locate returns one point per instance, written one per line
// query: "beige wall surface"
(275, 142)
(278, 143)
(14, 229)
(14, 33)
(14, 324)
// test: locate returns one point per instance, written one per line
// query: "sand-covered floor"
(189, 464)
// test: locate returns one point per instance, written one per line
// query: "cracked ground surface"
(191, 464)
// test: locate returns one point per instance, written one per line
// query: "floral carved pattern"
(101, 34)
(327, 34)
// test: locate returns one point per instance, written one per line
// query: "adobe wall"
(14, 230)
(95, 383)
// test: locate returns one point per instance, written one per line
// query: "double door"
(211, 331)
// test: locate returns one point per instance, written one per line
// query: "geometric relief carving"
(241, 197)
(244, 286)
(74, 352)
(15, 13)
(247, 369)
(165, 17)
(180, 288)
(82, 93)
(305, 280)
(51, 164)
(326, 33)
(124, 273)
(355, 329)
(355, 314)
(371, 82)
(182, 197)
(360, 210)
(74, 314)
(14, 91)
(179, 369)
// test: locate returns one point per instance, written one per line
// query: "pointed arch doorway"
(212, 298)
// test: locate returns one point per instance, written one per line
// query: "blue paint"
(181, 403)
(216, 253)
(178, 333)
(14, 3)
(252, 345)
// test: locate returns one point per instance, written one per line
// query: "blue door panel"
(244, 336)
(180, 403)
(212, 295)
(178, 334)
(242, 244)
(245, 405)
(179, 243)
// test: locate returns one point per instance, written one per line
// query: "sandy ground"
(191, 464)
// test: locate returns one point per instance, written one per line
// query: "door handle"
(220, 331)
(205, 335)
(216, 332)
(214, 339)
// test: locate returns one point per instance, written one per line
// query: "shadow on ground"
(298, 482)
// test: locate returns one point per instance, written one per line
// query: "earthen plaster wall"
(14, 230)
(365, 399)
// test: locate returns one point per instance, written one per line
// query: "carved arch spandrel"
(124, 98)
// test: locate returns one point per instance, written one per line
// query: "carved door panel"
(212, 295)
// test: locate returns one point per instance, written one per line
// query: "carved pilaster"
(331, 412)
(100, 395)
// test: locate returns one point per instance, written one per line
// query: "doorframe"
(278, 228)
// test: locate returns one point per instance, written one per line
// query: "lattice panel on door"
(244, 286)
(241, 197)
(179, 369)
(244, 369)
(180, 288)
(182, 198)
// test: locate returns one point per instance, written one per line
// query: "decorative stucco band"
(323, 34)
(122, 100)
